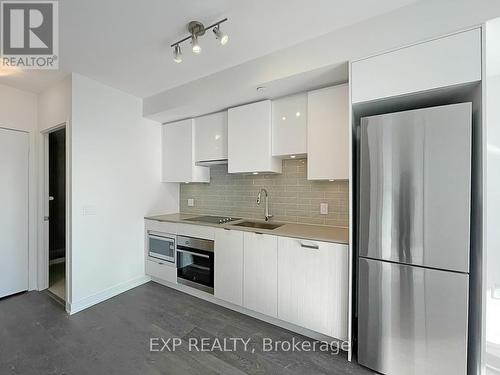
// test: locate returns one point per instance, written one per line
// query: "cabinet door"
(328, 134)
(290, 126)
(313, 285)
(442, 62)
(229, 266)
(260, 279)
(211, 137)
(178, 154)
(161, 271)
(249, 139)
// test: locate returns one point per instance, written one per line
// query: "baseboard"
(85, 303)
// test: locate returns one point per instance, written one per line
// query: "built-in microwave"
(161, 246)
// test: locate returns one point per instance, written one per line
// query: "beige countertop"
(305, 231)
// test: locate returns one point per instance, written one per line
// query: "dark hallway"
(57, 212)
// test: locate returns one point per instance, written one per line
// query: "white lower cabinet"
(297, 281)
(260, 273)
(228, 278)
(162, 271)
(313, 285)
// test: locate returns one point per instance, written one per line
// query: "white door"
(14, 148)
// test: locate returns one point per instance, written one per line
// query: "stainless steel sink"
(258, 225)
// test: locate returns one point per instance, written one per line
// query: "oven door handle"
(193, 253)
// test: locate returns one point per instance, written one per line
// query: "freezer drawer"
(412, 320)
(415, 174)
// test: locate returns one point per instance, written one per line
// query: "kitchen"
(289, 263)
(300, 210)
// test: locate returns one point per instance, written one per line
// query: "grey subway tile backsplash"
(292, 197)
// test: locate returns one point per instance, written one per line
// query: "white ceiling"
(125, 43)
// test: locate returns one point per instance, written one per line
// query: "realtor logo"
(29, 34)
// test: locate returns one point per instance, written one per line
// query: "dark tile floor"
(37, 337)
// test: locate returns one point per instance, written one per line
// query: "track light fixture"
(197, 29)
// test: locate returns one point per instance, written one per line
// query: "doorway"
(57, 212)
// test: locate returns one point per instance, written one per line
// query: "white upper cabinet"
(313, 285)
(290, 126)
(328, 133)
(178, 164)
(438, 63)
(250, 139)
(211, 138)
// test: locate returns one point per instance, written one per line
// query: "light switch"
(323, 208)
(190, 202)
(89, 210)
(495, 292)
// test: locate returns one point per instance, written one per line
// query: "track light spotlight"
(220, 36)
(177, 54)
(195, 44)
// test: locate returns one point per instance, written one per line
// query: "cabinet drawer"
(196, 231)
(162, 271)
(447, 61)
(161, 226)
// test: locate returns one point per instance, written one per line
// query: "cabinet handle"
(309, 246)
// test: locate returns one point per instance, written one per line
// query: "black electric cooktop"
(213, 219)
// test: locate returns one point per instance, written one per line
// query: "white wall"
(116, 166)
(54, 104)
(18, 110)
(492, 257)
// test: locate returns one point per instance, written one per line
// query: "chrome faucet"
(267, 216)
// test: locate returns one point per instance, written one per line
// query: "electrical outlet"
(190, 202)
(323, 208)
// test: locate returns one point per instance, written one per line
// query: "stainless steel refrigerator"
(414, 241)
